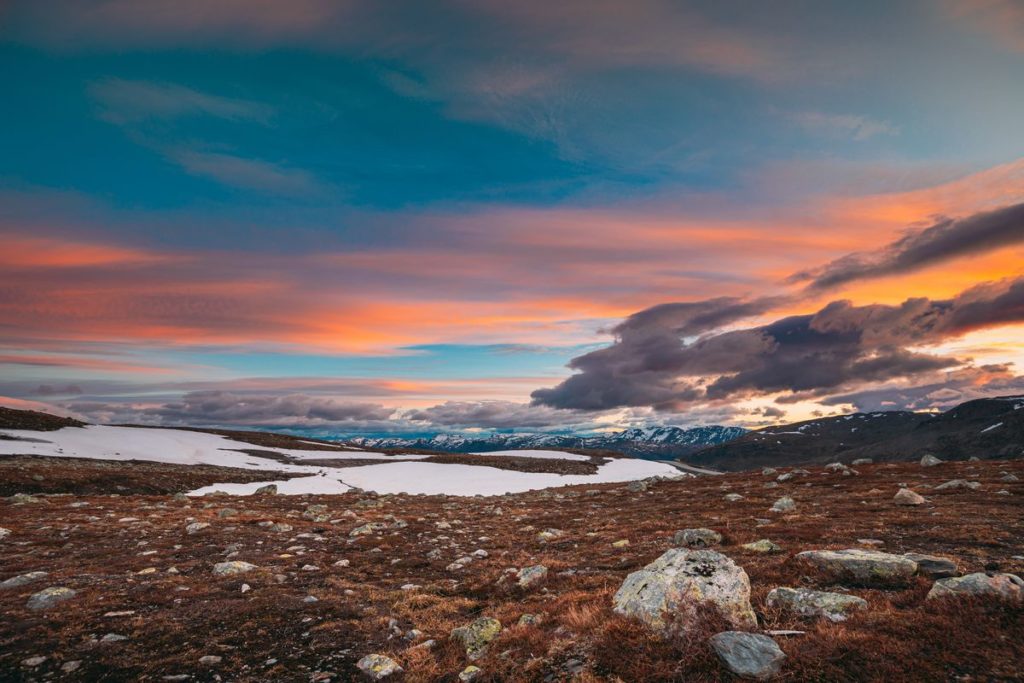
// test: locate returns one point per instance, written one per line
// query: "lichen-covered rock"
(861, 567)
(316, 513)
(1004, 586)
(930, 461)
(762, 546)
(470, 673)
(748, 655)
(550, 535)
(531, 576)
(48, 597)
(697, 538)
(231, 568)
(784, 504)
(907, 497)
(267, 490)
(477, 635)
(932, 566)
(810, 603)
(378, 666)
(669, 590)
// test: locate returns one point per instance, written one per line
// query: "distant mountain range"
(653, 443)
(989, 428)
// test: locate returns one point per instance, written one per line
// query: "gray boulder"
(748, 655)
(860, 567)
(48, 597)
(784, 504)
(1004, 586)
(697, 538)
(930, 461)
(267, 490)
(669, 590)
(22, 579)
(810, 603)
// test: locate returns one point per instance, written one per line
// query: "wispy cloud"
(124, 101)
(851, 126)
(249, 174)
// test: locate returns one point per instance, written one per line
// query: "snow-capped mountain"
(652, 442)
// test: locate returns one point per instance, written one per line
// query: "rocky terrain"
(839, 573)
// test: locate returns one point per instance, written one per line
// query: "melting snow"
(548, 455)
(989, 429)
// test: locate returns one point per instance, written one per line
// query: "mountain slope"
(653, 443)
(985, 428)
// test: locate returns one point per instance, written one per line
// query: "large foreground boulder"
(860, 567)
(668, 591)
(808, 603)
(748, 655)
(1004, 586)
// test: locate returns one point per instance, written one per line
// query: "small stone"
(550, 534)
(378, 666)
(528, 620)
(622, 543)
(733, 497)
(267, 490)
(113, 638)
(231, 568)
(227, 512)
(762, 546)
(1009, 478)
(748, 655)
(907, 497)
(33, 661)
(470, 673)
(210, 660)
(784, 504)
(71, 667)
(48, 597)
(862, 461)
(697, 538)
(930, 461)
(195, 527)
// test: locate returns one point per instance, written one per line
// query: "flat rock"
(811, 603)
(669, 590)
(22, 579)
(697, 538)
(861, 567)
(958, 484)
(932, 566)
(748, 655)
(1003, 586)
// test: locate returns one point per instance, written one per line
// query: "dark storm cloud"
(842, 345)
(947, 239)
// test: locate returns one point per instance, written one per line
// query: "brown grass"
(180, 617)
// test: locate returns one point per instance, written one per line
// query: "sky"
(355, 217)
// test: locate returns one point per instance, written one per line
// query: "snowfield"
(395, 474)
